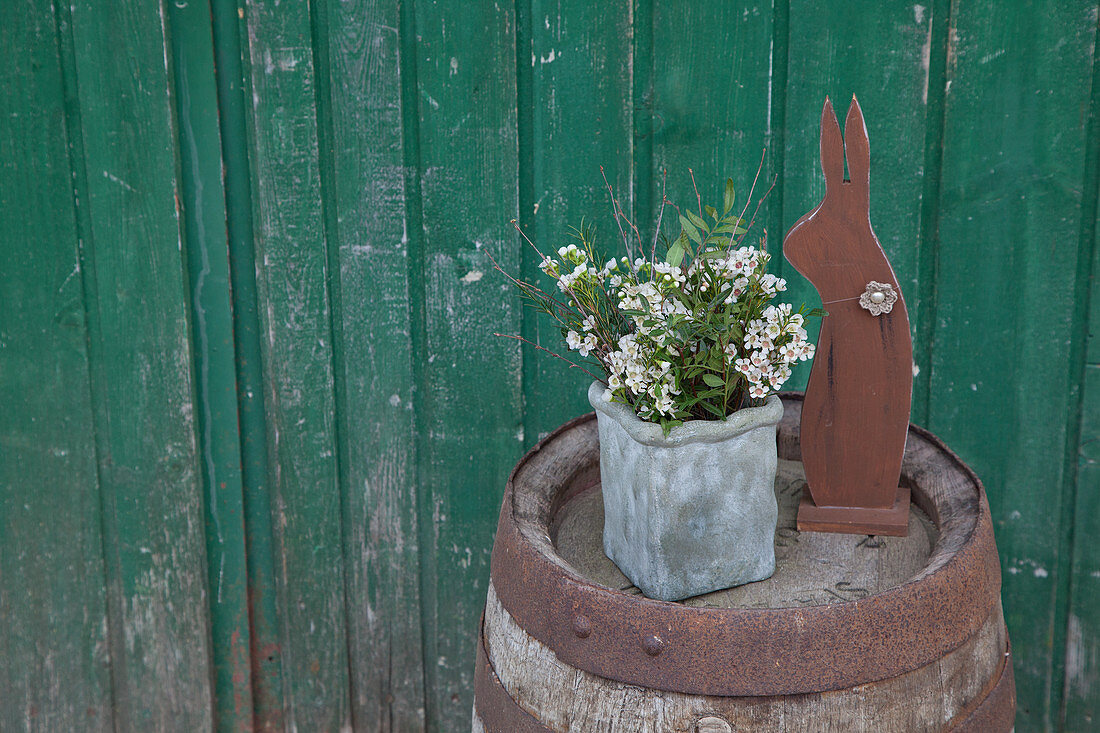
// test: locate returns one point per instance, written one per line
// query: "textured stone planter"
(694, 512)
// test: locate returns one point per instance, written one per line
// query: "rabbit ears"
(854, 143)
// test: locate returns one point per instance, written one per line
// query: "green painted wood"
(139, 345)
(1009, 228)
(711, 116)
(53, 611)
(468, 400)
(570, 60)
(1081, 691)
(1082, 654)
(880, 53)
(203, 209)
(370, 265)
(229, 38)
(295, 316)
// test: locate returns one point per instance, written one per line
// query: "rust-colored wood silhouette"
(856, 414)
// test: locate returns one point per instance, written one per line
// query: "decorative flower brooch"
(879, 298)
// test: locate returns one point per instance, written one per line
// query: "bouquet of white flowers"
(690, 335)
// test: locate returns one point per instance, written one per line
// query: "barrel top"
(840, 610)
(811, 568)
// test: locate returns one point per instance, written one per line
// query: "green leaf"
(727, 203)
(697, 220)
(712, 409)
(713, 380)
(690, 230)
(675, 254)
(817, 313)
(711, 212)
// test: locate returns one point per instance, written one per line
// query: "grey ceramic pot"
(694, 512)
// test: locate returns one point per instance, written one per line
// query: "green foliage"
(691, 335)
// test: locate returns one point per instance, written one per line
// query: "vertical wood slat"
(229, 38)
(880, 53)
(1010, 202)
(710, 116)
(575, 80)
(295, 316)
(142, 394)
(202, 204)
(370, 269)
(1081, 684)
(468, 398)
(53, 614)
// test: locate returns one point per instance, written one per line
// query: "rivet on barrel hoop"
(653, 645)
(582, 627)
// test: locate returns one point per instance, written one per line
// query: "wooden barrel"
(852, 633)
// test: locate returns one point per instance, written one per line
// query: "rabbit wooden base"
(893, 520)
(856, 414)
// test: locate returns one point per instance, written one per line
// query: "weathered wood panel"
(370, 272)
(229, 32)
(577, 85)
(53, 610)
(1081, 708)
(468, 392)
(712, 93)
(1009, 227)
(292, 274)
(141, 367)
(202, 200)
(139, 346)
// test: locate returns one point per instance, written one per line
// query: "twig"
(660, 215)
(616, 209)
(526, 286)
(551, 353)
(757, 210)
(698, 199)
(749, 199)
(526, 239)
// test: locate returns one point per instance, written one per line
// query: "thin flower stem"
(616, 209)
(698, 199)
(748, 201)
(551, 353)
(757, 211)
(525, 238)
(526, 286)
(660, 216)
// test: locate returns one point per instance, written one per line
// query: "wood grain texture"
(370, 265)
(1081, 705)
(856, 413)
(568, 699)
(576, 86)
(292, 272)
(468, 397)
(141, 365)
(204, 225)
(712, 88)
(53, 638)
(1013, 163)
(230, 36)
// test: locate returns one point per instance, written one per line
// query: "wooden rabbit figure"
(856, 412)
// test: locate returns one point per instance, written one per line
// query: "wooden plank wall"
(254, 427)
